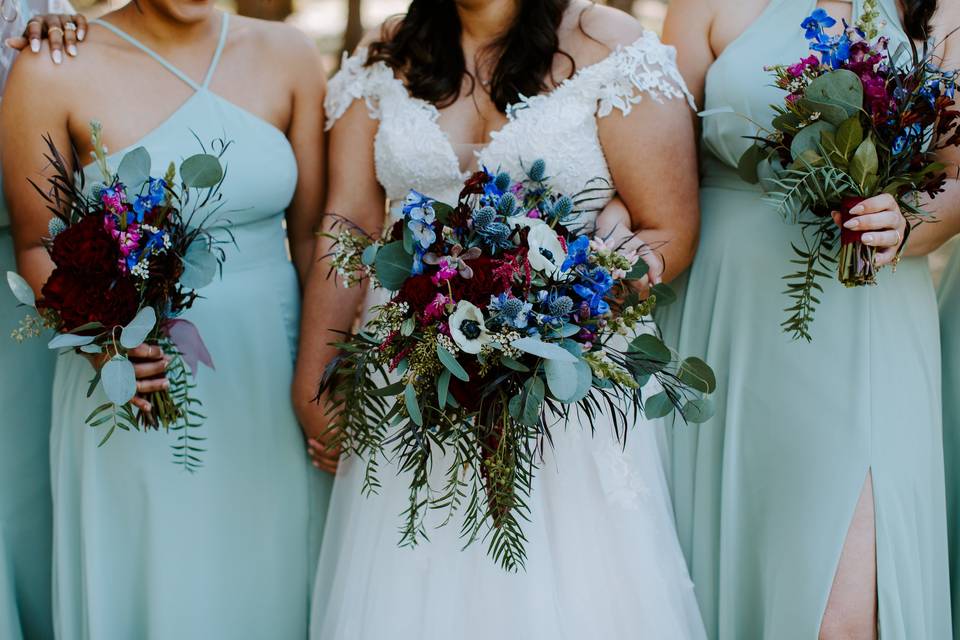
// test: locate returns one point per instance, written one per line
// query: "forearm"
(929, 236)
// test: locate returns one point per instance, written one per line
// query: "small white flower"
(467, 328)
(546, 252)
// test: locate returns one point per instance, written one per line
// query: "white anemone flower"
(546, 252)
(467, 328)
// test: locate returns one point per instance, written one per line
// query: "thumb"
(17, 44)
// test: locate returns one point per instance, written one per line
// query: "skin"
(659, 202)
(282, 62)
(701, 30)
(61, 31)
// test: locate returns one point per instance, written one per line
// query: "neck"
(483, 21)
(159, 28)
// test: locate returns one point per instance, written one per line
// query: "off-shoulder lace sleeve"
(647, 66)
(354, 81)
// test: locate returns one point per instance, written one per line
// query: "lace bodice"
(413, 152)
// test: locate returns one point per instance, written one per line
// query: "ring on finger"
(70, 26)
(52, 29)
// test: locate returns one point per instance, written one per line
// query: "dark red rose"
(80, 298)
(418, 291)
(475, 184)
(86, 247)
(482, 285)
(165, 271)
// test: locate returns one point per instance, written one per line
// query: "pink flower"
(437, 307)
(446, 272)
(797, 70)
(533, 213)
(113, 201)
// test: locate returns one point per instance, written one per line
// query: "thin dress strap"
(120, 33)
(224, 27)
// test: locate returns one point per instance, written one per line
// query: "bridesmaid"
(949, 295)
(26, 374)
(143, 549)
(812, 505)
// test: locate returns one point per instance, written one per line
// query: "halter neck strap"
(166, 64)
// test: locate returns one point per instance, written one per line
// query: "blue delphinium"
(418, 209)
(578, 253)
(597, 283)
(816, 22)
(154, 196)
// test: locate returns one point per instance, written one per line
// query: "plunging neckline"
(525, 102)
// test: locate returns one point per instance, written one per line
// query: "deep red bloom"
(418, 291)
(87, 247)
(482, 285)
(81, 297)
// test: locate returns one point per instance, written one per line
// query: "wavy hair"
(424, 47)
(916, 17)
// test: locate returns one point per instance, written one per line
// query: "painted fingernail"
(57, 56)
(852, 224)
(72, 49)
(149, 407)
(81, 34)
(867, 238)
(35, 46)
(857, 210)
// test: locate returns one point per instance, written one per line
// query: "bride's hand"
(324, 455)
(613, 226)
(149, 365)
(62, 31)
(882, 223)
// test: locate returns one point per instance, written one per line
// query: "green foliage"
(201, 171)
(394, 265)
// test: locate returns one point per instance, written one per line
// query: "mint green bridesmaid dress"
(26, 373)
(765, 491)
(142, 548)
(950, 338)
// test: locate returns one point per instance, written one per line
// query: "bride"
(453, 85)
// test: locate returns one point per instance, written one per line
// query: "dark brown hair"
(424, 47)
(916, 17)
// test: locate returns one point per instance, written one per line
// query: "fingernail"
(72, 49)
(149, 407)
(35, 46)
(81, 34)
(57, 56)
(867, 238)
(166, 384)
(316, 464)
(857, 210)
(852, 224)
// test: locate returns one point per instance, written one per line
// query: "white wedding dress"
(603, 557)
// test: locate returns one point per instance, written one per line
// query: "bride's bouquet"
(857, 120)
(505, 319)
(130, 254)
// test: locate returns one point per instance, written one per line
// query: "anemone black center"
(470, 329)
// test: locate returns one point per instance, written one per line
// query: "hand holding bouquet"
(129, 259)
(858, 121)
(506, 320)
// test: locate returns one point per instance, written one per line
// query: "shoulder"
(41, 77)
(286, 46)
(611, 27)
(591, 33)
(384, 32)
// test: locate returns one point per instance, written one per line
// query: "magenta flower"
(437, 307)
(445, 272)
(797, 70)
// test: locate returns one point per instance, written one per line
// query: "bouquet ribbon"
(849, 236)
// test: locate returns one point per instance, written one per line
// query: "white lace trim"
(619, 81)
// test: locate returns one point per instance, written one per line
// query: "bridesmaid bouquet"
(503, 319)
(129, 259)
(857, 121)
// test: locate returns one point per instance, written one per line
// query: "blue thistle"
(483, 217)
(563, 207)
(502, 181)
(507, 204)
(56, 226)
(537, 170)
(562, 306)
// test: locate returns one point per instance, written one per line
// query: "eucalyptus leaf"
(809, 138)
(202, 171)
(119, 380)
(408, 326)
(450, 362)
(834, 114)
(369, 255)
(788, 122)
(408, 240)
(638, 270)
(545, 350)
(139, 328)
(393, 265)
(413, 408)
(394, 389)
(199, 265)
(841, 88)
(561, 379)
(567, 330)
(657, 406)
(64, 340)
(22, 291)
(442, 212)
(746, 167)
(510, 363)
(698, 410)
(697, 374)
(134, 169)
(649, 354)
(443, 387)
(91, 348)
(525, 407)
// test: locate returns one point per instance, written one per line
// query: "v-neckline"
(524, 103)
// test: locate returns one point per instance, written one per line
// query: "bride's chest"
(414, 150)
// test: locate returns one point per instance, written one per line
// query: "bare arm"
(354, 194)
(687, 27)
(306, 136)
(946, 207)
